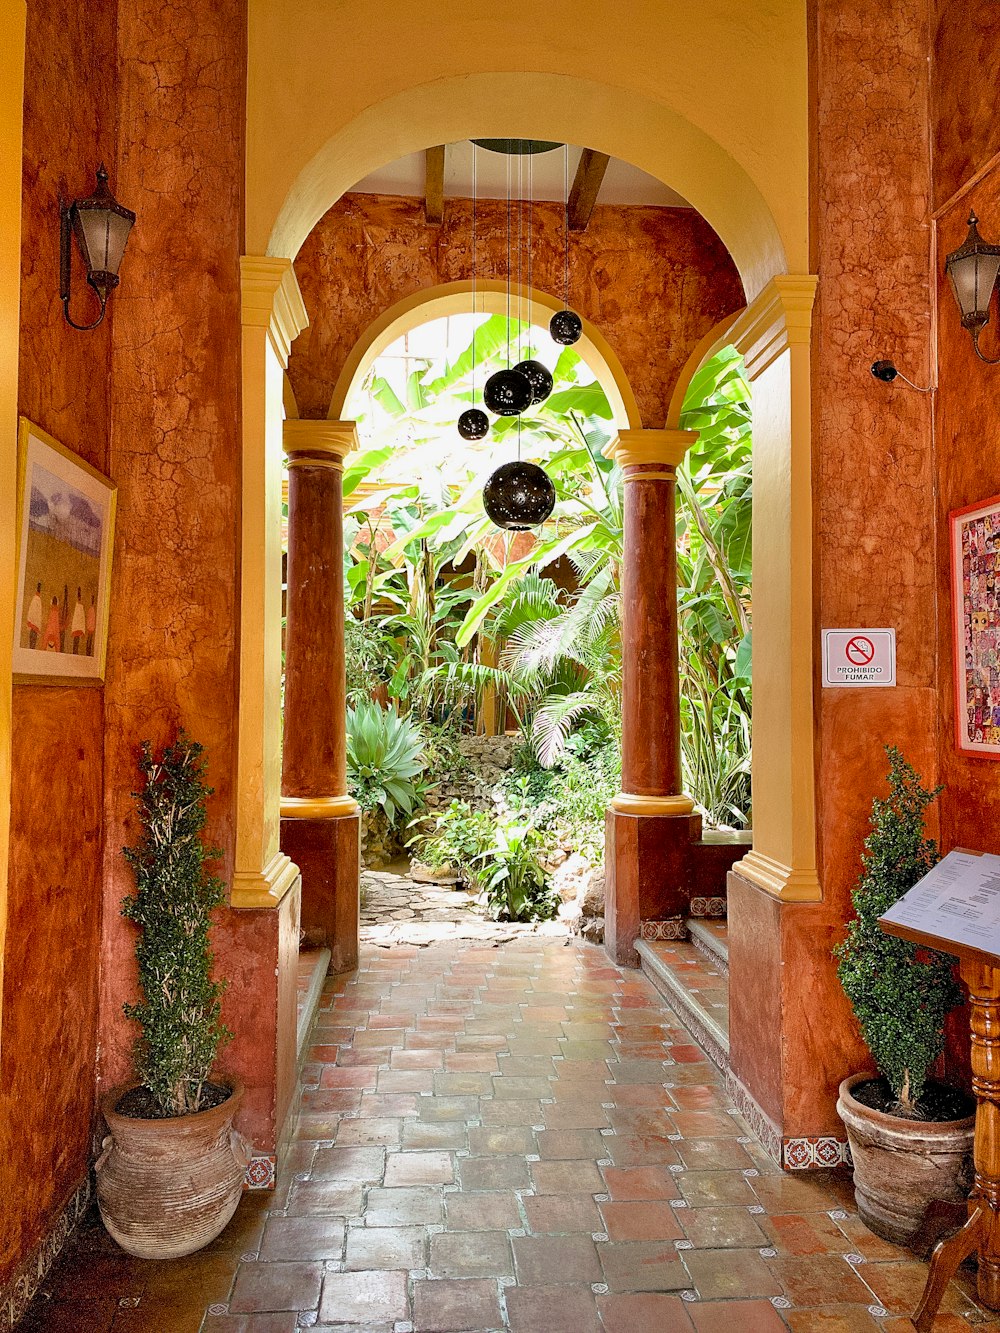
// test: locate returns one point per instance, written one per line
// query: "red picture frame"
(974, 537)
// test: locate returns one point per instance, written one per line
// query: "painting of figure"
(65, 520)
(975, 532)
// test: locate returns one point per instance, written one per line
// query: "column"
(651, 823)
(320, 822)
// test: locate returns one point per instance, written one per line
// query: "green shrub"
(384, 760)
(456, 837)
(369, 657)
(513, 876)
(172, 906)
(900, 992)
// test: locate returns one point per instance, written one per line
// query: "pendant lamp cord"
(473, 275)
(508, 261)
(565, 226)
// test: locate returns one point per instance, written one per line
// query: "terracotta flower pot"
(166, 1188)
(901, 1165)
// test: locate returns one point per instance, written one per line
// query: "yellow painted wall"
(689, 91)
(12, 21)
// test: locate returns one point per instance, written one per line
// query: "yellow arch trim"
(454, 298)
(714, 340)
(287, 195)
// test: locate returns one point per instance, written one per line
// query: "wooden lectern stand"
(981, 973)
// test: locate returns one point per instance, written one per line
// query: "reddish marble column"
(651, 823)
(320, 822)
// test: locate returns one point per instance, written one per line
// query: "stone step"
(711, 937)
(695, 988)
(313, 965)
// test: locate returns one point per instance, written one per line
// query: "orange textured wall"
(653, 280)
(966, 133)
(175, 435)
(49, 1039)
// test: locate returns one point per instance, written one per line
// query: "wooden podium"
(980, 971)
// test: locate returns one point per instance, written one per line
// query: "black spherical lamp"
(473, 424)
(565, 327)
(519, 496)
(507, 393)
(538, 377)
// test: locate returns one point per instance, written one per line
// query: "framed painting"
(65, 528)
(975, 595)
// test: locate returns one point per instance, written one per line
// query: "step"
(313, 966)
(711, 937)
(696, 990)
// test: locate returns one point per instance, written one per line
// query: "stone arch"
(454, 298)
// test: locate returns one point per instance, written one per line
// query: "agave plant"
(384, 759)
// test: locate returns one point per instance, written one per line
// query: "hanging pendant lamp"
(566, 326)
(519, 496)
(473, 423)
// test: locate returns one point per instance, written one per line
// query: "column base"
(646, 875)
(328, 853)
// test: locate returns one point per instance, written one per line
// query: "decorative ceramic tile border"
(671, 928)
(260, 1173)
(761, 1124)
(708, 949)
(16, 1296)
(712, 907)
(807, 1153)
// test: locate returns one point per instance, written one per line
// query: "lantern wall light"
(101, 226)
(972, 270)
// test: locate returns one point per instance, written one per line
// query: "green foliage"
(512, 874)
(900, 993)
(172, 906)
(568, 801)
(369, 656)
(384, 759)
(455, 837)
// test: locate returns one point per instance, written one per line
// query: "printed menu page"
(958, 902)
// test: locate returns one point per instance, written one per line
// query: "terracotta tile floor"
(501, 1138)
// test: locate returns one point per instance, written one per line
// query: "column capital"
(663, 447)
(779, 317)
(271, 300)
(322, 443)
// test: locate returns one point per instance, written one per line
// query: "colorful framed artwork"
(975, 578)
(65, 528)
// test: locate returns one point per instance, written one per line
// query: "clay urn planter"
(171, 1173)
(901, 1165)
(167, 1187)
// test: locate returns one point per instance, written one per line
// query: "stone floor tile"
(470, 1254)
(566, 1177)
(370, 1248)
(276, 1286)
(438, 1109)
(852, 1319)
(707, 1188)
(899, 1285)
(419, 1168)
(500, 1112)
(349, 1164)
(356, 1078)
(705, 1124)
(462, 1084)
(576, 1115)
(643, 1266)
(330, 1197)
(570, 1143)
(358, 1298)
(487, 1140)
(642, 1220)
(561, 1213)
(714, 1155)
(364, 1133)
(729, 1273)
(642, 1120)
(798, 1192)
(640, 1182)
(493, 1173)
(450, 1135)
(482, 1212)
(727, 1316)
(723, 1228)
(807, 1233)
(641, 1150)
(552, 1310)
(820, 1280)
(539, 1260)
(302, 1238)
(637, 1311)
(463, 1306)
(404, 1207)
(863, 1241)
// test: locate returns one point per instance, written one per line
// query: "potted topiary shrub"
(911, 1137)
(171, 1173)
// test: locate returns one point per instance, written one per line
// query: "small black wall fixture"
(101, 226)
(972, 270)
(887, 372)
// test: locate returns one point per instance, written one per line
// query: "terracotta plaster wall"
(966, 68)
(874, 521)
(175, 439)
(653, 280)
(50, 1002)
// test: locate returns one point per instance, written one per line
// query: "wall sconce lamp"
(972, 270)
(101, 226)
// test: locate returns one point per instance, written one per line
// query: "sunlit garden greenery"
(448, 618)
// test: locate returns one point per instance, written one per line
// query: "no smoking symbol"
(859, 650)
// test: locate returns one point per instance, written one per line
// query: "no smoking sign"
(859, 657)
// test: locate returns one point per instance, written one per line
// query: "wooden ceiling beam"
(434, 185)
(586, 187)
